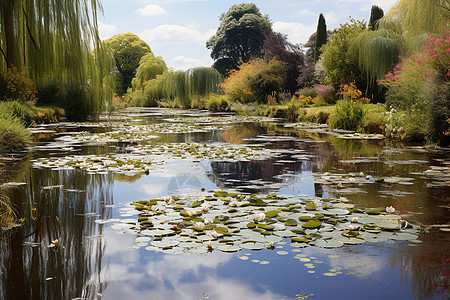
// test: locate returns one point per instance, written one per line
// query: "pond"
(167, 204)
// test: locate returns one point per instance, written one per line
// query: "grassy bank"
(16, 117)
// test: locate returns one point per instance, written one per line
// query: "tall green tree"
(239, 38)
(128, 49)
(51, 41)
(321, 37)
(340, 58)
(376, 13)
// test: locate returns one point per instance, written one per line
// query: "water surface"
(93, 260)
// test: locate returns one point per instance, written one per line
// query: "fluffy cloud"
(183, 63)
(151, 10)
(307, 13)
(106, 30)
(297, 32)
(173, 33)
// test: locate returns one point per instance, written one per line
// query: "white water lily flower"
(390, 209)
(352, 180)
(361, 174)
(259, 217)
(199, 226)
(355, 220)
(353, 227)
(343, 199)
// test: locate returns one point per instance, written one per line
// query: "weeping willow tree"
(405, 27)
(204, 81)
(51, 42)
(178, 87)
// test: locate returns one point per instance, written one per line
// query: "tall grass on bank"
(347, 115)
(14, 116)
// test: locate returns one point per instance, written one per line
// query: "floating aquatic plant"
(258, 222)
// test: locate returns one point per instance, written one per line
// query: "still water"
(60, 191)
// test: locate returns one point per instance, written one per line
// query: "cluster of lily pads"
(126, 164)
(345, 179)
(140, 157)
(200, 221)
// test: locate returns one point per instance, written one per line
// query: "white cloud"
(183, 63)
(173, 33)
(332, 20)
(297, 32)
(106, 30)
(307, 12)
(151, 10)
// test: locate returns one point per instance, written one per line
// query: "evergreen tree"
(321, 37)
(376, 13)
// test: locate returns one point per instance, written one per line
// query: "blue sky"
(177, 30)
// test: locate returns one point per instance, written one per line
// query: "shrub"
(326, 93)
(347, 115)
(351, 92)
(15, 85)
(308, 92)
(254, 81)
(20, 110)
(48, 114)
(217, 103)
(406, 125)
(374, 120)
(13, 134)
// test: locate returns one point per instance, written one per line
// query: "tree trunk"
(9, 33)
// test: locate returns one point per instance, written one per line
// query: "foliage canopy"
(128, 49)
(239, 38)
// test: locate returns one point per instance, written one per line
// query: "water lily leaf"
(221, 229)
(290, 222)
(265, 226)
(311, 206)
(305, 218)
(404, 236)
(329, 243)
(299, 240)
(229, 248)
(221, 194)
(312, 224)
(254, 246)
(271, 214)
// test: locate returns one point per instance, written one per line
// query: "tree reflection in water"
(57, 205)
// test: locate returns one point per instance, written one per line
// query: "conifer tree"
(376, 13)
(321, 37)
